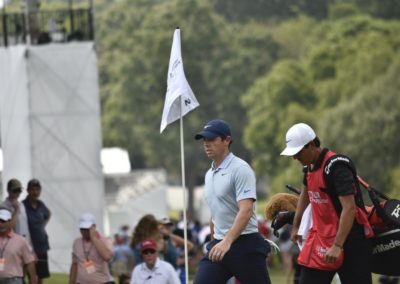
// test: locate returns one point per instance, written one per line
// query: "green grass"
(57, 278)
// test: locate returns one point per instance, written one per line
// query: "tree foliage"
(367, 127)
(220, 60)
(343, 84)
(270, 10)
(274, 103)
(262, 66)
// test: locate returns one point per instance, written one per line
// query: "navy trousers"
(246, 260)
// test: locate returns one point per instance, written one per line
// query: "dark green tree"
(221, 61)
(270, 10)
(367, 128)
(339, 70)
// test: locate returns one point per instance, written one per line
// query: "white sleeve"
(135, 275)
(173, 279)
(305, 225)
(245, 183)
(23, 224)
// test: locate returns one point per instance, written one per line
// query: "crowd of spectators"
(149, 250)
(23, 236)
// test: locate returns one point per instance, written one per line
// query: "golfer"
(236, 249)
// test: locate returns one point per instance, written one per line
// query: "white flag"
(178, 89)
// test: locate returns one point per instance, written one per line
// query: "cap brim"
(5, 215)
(291, 151)
(206, 134)
(85, 225)
(147, 248)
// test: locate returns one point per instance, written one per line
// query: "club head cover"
(280, 220)
(392, 211)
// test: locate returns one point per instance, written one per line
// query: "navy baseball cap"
(213, 129)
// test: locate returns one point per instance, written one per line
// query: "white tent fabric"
(115, 160)
(50, 130)
(14, 111)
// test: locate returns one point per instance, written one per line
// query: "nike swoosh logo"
(287, 141)
(246, 191)
(223, 174)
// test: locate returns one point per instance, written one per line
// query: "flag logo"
(179, 98)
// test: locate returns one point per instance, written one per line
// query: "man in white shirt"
(153, 270)
(19, 221)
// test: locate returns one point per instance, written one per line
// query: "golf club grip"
(293, 189)
(369, 188)
(363, 183)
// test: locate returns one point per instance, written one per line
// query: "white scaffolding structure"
(50, 130)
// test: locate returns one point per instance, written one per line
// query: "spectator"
(38, 217)
(19, 221)
(90, 254)
(122, 262)
(190, 226)
(124, 233)
(153, 269)
(146, 228)
(170, 252)
(204, 232)
(263, 227)
(124, 279)
(173, 243)
(285, 245)
(15, 252)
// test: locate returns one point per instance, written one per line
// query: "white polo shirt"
(162, 273)
(21, 226)
(225, 186)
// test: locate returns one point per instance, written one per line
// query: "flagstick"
(176, 84)
(184, 194)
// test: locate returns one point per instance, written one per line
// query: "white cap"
(297, 137)
(5, 215)
(86, 221)
(165, 221)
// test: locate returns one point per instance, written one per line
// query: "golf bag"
(384, 218)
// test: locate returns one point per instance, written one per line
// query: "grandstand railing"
(46, 26)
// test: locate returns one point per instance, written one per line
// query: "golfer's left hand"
(333, 254)
(219, 250)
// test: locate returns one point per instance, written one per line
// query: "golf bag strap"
(330, 164)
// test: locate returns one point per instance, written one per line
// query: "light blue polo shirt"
(232, 181)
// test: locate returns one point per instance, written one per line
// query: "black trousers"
(246, 260)
(356, 267)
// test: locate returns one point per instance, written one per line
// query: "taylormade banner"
(386, 253)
